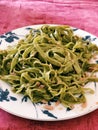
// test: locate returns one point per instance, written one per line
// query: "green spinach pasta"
(50, 63)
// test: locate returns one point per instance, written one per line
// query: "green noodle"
(50, 63)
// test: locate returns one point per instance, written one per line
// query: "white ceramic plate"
(21, 106)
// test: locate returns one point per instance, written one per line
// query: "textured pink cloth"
(82, 14)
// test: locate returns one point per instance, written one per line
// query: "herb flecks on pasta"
(50, 63)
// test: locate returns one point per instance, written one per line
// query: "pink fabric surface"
(82, 14)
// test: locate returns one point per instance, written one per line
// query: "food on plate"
(50, 63)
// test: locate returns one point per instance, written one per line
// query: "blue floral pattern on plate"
(9, 37)
(4, 95)
(20, 105)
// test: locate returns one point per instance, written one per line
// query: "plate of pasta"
(48, 72)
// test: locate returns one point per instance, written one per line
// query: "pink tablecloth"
(81, 14)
